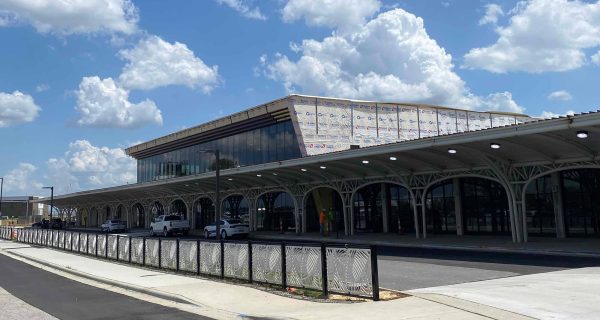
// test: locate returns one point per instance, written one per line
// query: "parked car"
(111, 225)
(56, 223)
(228, 228)
(169, 224)
(44, 224)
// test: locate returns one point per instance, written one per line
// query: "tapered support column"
(559, 209)
(458, 206)
(384, 207)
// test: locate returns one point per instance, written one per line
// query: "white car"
(169, 224)
(228, 228)
(113, 225)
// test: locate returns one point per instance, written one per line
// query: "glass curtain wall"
(324, 199)
(204, 211)
(581, 197)
(540, 207)
(485, 207)
(268, 144)
(275, 212)
(139, 216)
(236, 207)
(179, 208)
(441, 214)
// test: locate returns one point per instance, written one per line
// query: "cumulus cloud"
(42, 87)
(341, 14)
(85, 166)
(596, 58)
(541, 36)
(154, 63)
(17, 108)
(244, 8)
(102, 103)
(561, 95)
(492, 12)
(21, 180)
(72, 16)
(390, 58)
(550, 114)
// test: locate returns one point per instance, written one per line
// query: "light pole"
(217, 189)
(51, 201)
(1, 187)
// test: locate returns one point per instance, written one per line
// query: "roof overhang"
(539, 142)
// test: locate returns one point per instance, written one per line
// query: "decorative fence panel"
(350, 270)
(137, 250)
(112, 247)
(101, 245)
(303, 267)
(266, 263)
(168, 254)
(152, 254)
(188, 256)
(124, 248)
(210, 258)
(236, 260)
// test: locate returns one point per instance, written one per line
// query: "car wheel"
(206, 234)
(165, 232)
(223, 235)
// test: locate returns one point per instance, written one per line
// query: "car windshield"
(172, 218)
(234, 221)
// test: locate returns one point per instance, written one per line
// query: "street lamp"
(51, 200)
(217, 189)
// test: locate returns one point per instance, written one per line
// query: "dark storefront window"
(268, 144)
(441, 215)
(485, 207)
(540, 207)
(581, 191)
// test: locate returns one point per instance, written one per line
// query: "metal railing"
(344, 269)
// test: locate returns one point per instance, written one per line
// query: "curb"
(127, 286)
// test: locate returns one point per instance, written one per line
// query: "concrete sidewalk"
(226, 300)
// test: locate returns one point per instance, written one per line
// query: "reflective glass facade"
(267, 144)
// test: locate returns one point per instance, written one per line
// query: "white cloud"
(596, 58)
(68, 17)
(102, 103)
(42, 87)
(390, 58)
(85, 166)
(154, 63)
(20, 181)
(344, 15)
(17, 108)
(542, 36)
(561, 95)
(492, 12)
(549, 114)
(244, 8)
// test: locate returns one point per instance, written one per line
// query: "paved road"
(67, 299)
(405, 268)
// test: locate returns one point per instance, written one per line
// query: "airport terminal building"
(378, 167)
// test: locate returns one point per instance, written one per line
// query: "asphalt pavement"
(67, 299)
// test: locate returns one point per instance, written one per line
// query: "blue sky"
(80, 80)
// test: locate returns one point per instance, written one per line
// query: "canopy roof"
(540, 142)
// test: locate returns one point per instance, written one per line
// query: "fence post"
(96, 244)
(106, 246)
(64, 240)
(198, 256)
(250, 261)
(324, 268)
(374, 273)
(144, 251)
(222, 259)
(117, 246)
(177, 254)
(283, 267)
(159, 253)
(129, 249)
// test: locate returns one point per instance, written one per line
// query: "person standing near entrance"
(323, 222)
(330, 220)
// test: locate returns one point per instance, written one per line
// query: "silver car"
(113, 225)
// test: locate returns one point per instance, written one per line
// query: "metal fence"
(350, 270)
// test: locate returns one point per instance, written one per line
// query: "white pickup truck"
(169, 224)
